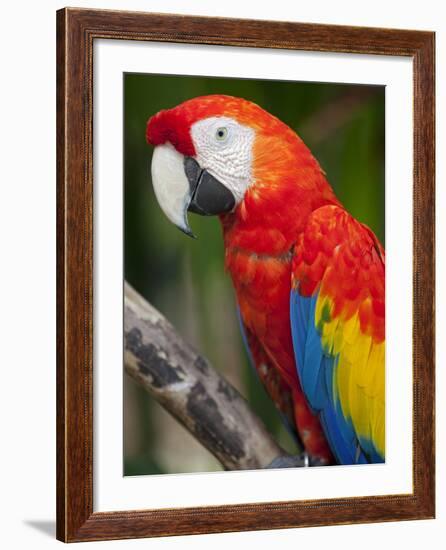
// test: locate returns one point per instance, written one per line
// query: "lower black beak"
(209, 196)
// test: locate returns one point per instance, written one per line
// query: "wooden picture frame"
(77, 29)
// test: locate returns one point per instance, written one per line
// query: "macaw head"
(220, 155)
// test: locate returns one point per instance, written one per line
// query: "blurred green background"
(343, 125)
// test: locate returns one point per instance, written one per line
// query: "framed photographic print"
(245, 275)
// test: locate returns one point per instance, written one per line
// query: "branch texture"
(186, 385)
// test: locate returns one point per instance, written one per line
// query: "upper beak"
(180, 184)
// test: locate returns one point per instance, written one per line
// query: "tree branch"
(186, 385)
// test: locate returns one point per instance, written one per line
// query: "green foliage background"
(343, 125)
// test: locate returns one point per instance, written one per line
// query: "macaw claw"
(301, 460)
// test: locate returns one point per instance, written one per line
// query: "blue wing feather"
(316, 369)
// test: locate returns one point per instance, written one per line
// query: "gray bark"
(187, 386)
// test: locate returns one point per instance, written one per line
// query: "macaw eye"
(221, 134)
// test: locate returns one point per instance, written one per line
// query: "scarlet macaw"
(308, 277)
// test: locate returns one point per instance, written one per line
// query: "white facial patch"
(224, 148)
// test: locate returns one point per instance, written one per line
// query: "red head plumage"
(286, 176)
(173, 125)
(170, 126)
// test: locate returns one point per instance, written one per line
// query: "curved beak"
(181, 185)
